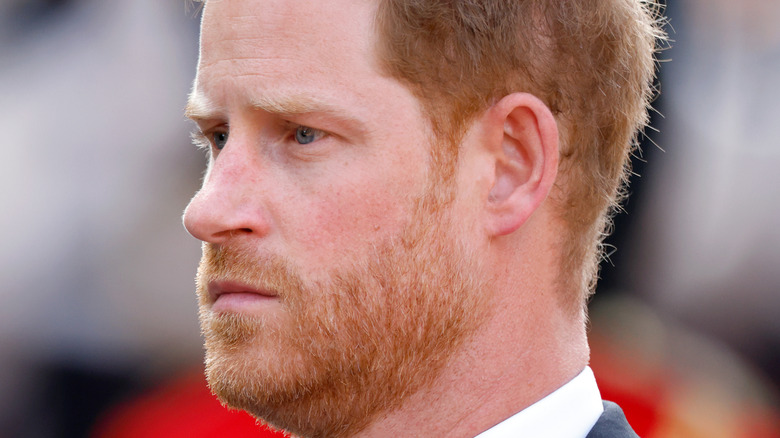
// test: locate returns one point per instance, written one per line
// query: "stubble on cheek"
(340, 352)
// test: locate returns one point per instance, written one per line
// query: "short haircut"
(591, 62)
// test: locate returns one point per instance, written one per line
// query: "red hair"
(591, 62)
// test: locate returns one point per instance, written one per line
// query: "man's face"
(332, 282)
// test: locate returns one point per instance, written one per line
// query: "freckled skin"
(355, 189)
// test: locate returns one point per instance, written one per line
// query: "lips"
(220, 288)
(229, 296)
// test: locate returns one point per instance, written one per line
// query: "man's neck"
(490, 380)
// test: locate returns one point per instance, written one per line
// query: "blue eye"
(220, 139)
(306, 135)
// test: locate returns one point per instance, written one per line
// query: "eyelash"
(203, 140)
(200, 140)
(293, 128)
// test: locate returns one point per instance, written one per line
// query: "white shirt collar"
(569, 412)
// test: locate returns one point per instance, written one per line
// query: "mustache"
(234, 262)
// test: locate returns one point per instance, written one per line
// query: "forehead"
(286, 43)
(309, 22)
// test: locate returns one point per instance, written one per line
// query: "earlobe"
(525, 158)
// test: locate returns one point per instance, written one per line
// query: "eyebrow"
(199, 107)
(292, 105)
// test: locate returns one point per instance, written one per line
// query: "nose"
(230, 201)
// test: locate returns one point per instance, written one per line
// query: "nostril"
(237, 231)
(229, 234)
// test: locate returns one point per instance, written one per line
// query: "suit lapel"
(612, 424)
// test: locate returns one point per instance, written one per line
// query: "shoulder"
(612, 424)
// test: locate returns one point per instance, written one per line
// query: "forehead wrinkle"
(274, 102)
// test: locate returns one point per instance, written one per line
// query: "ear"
(522, 139)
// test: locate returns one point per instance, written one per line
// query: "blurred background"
(98, 326)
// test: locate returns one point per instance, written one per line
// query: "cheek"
(341, 222)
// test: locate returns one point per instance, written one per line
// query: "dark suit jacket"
(612, 424)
